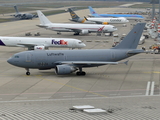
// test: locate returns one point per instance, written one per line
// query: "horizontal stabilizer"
(135, 51)
(42, 26)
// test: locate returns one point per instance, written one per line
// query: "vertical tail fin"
(43, 19)
(16, 9)
(73, 14)
(132, 39)
(92, 11)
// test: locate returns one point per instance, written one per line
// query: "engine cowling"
(105, 23)
(84, 31)
(64, 69)
(39, 47)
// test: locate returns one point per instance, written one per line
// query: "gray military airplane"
(68, 61)
(23, 15)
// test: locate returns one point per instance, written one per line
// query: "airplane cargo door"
(74, 44)
(28, 57)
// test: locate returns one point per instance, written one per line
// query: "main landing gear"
(80, 72)
(27, 73)
(76, 33)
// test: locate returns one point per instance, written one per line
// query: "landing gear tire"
(76, 34)
(27, 73)
(111, 34)
(81, 73)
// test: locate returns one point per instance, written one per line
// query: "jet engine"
(64, 69)
(39, 47)
(105, 23)
(85, 32)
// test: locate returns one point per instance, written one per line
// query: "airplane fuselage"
(110, 20)
(47, 42)
(81, 27)
(48, 59)
(127, 16)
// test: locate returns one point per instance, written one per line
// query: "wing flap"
(27, 45)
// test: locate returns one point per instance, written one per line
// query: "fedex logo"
(39, 48)
(60, 42)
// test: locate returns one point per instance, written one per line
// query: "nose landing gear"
(27, 73)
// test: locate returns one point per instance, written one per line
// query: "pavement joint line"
(69, 96)
(93, 98)
(76, 88)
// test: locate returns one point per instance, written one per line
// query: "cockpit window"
(16, 56)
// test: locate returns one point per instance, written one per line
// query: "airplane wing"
(31, 46)
(42, 26)
(79, 63)
(27, 45)
(74, 29)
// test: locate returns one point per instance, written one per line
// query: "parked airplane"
(40, 43)
(76, 28)
(23, 15)
(127, 16)
(68, 61)
(95, 20)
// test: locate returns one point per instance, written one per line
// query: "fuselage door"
(28, 57)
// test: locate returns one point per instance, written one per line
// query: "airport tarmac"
(131, 90)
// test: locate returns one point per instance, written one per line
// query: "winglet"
(126, 62)
(85, 18)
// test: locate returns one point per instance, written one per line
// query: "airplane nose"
(10, 61)
(84, 45)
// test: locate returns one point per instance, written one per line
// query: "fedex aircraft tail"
(132, 39)
(73, 14)
(43, 19)
(15, 7)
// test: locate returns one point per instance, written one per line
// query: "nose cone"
(10, 61)
(83, 45)
(127, 20)
(115, 29)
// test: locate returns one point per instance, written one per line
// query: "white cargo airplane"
(41, 43)
(76, 28)
(95, 20)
